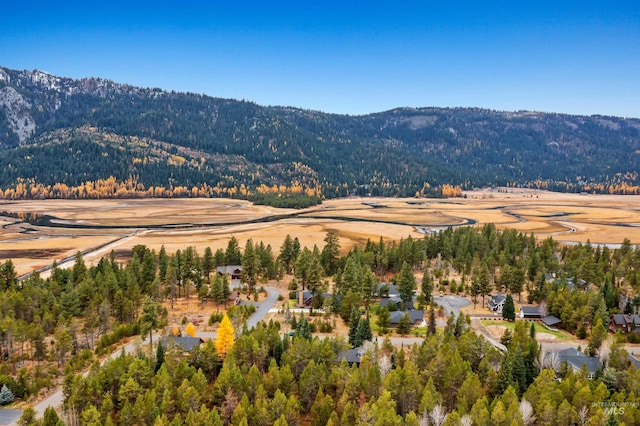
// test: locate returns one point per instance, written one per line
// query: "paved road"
(262, 309)
(8, 416)
(452, 303)
(56, 398)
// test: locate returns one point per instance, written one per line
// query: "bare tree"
(583, 415)
(466, 420)
(605, 350)
(548, 360)
(438, 415)
(543, 309)
(384, 363)
(526, 410)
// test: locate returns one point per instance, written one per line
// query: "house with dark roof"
(530, 312)
(387, 290)
(576, 360)
(351, 356)
(234, 271)
(395, 303)
(417, 316)
(625, 323)
(551, 322)
(496, 303)
(186, 343)
(234, 297)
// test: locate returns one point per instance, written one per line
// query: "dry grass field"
(118, 225)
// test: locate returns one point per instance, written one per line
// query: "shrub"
(13, 386)
(119, 333)
(582, 332)
(215, 318)
(6, 396)
(633, 338)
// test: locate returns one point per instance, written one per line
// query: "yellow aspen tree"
(225, 339)
(190, 330)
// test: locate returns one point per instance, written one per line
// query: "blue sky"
(578, 57)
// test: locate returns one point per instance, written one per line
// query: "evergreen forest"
(53, 329)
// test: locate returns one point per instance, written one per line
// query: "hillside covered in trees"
(60, 325)
(60, 136)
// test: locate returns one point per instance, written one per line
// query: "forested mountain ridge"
(64, 131)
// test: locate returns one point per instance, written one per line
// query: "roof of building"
(622, 319)
(530, 310)
(497, 299)
(187, 343)
(395, 301)
(229, 269)
(352, 356)
(415, 314)
(578, 359)
(551, 320)
(391, 289)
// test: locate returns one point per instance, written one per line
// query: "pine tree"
(6, 396)
(207, 263)
(250, 266)
(460, 325)
(406, 284)
(314, 279)
(509, 309)
(431, 328)
(50, 417)
(405, 324)
(150, 319)
(225, 339)
(159, 357)
(304, 328)
(427, 286)
(354, 320)
(364, 332)
(216, 293)
(384, 319)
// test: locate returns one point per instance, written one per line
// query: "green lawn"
(560, 335)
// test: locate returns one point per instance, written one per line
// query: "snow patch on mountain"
(18, 112)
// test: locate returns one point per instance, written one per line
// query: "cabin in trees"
(387, 290)
(416, 315)
(575, 360)
(395, 304)
(186, 343)
(305, 299)
(234, 297)
(234, 271)
(551, 322)
(496, 303)
(351, 356)
(530, 312)
(625, 323)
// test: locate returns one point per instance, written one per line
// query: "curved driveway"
(56, 398)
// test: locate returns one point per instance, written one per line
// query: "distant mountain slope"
(57, 130)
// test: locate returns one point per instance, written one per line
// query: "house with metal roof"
(530, 312)
(625, 323)
(576, 360)
(496, 302)
(551, 322)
